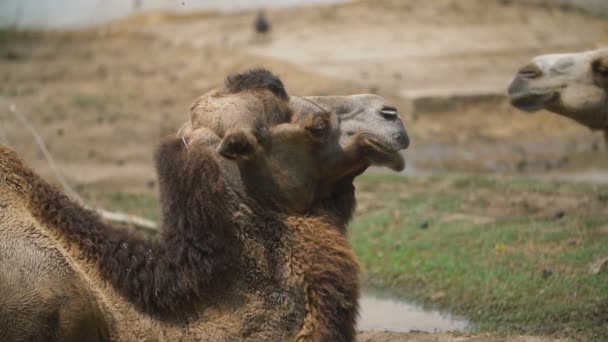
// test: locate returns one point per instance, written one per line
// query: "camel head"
(328, 140)
(314, 152)
(574, 85)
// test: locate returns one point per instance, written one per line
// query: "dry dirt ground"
(102, 99)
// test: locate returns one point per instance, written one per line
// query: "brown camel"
(574, 85)
(250, 250)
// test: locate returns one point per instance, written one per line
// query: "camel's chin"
(379, 154)
(532, 102)
(393, 160)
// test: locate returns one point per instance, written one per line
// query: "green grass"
(85, 101)
(487, 249)
(140, 204)
(477, 246)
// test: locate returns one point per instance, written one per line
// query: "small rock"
(559, 215)
(151, 184)
(167, 101)
(102, 70)
(12, 56)
(262, 25)
(599, 266)
(424, 224)
(437, 295)
(547, 273)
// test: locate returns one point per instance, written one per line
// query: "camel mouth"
(532, 101)
(384, 154)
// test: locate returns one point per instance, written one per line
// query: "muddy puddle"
(382, 313)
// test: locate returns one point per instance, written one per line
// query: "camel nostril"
(530, 71)
(405, 141)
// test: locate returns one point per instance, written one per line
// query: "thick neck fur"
(197, 254)
(196, 249)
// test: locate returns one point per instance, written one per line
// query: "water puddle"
(384, 314)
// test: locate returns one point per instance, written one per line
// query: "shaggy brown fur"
(249, 251)
(41, 297)
(43, 300)
(190, 259)
(318, 259)
(256, 79)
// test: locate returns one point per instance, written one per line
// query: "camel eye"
(389, 113)
(316, 131)
(602, 72)
(600, 67)
(317, 128)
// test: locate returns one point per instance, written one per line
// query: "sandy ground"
(102, 99)
(440, 57)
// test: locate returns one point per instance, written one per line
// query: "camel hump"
(41, 298)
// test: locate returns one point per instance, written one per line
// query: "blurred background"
(500, 219)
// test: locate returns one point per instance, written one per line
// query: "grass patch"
(511, 254)
(141, 204)
(85, 101)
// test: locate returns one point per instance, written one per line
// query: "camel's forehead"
(340, 104)
(368, 100)
(567, 62)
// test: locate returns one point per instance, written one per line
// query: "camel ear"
(237, 145)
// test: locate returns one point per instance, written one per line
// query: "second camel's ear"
(238, 145)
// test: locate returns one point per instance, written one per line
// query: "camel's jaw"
(532, 101)
(383, 152)
(528, 94)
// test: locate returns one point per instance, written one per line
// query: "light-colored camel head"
(329, 139)
(573, 84)
(319, 144)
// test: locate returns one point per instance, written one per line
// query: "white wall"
(69, 14)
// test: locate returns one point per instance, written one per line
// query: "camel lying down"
(574, 85)
(252, 245)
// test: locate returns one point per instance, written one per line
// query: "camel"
(252, 247)
(574, 85)
(215, 114)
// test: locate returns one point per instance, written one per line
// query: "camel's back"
(41, 297)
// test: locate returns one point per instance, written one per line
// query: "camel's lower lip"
(531, 102)
(382, 155)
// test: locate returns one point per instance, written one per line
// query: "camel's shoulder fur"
(41, 297)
